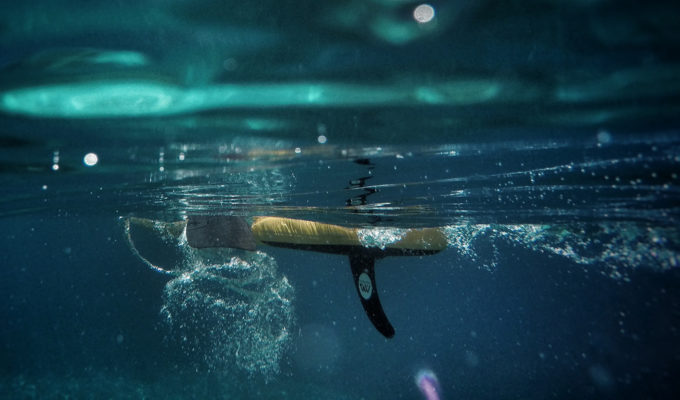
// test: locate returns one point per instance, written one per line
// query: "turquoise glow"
(93, 99)
(136, 98)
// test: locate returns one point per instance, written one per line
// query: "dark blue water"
(540, 138)
(82, 317)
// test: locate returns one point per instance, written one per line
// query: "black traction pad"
(219, 231)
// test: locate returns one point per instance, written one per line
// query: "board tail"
(219, 231)
(363, 271)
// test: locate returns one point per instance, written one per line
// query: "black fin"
(364, 279)
(219, 231)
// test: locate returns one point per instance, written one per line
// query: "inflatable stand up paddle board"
(235, 232)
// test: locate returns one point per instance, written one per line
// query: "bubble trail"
(428, 384)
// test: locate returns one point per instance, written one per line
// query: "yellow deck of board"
(302, 232)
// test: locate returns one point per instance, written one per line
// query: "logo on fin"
(365, 286)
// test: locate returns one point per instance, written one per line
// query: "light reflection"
(424, 13)
(121, 57)
(92, 99)
(55, 160)
(135, 98)
(603, 136)
(90, 159)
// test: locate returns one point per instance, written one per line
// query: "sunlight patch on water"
(120, 98)
(94, 99)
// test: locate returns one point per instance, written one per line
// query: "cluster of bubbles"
(380, 237)
(614, 247)
(226, 311)
(238, 313)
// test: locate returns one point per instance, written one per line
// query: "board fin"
(205, 231)
(363, 271)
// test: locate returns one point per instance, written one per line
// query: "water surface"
(540, 137)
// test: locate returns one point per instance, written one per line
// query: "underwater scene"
(339, 199)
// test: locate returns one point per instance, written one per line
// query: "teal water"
(540, 137)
